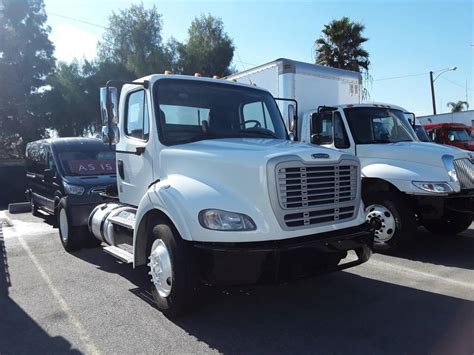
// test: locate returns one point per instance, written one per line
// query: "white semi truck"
(209, 187)
(405, 182)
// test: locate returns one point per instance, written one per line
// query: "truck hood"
(414, 152)
(239, 152)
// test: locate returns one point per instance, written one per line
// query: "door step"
(128, 222)
(120, 254)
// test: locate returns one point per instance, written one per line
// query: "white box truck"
(209, 188)
(405, 182)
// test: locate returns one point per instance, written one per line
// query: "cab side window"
(321, 129)
(341, 140)
(136, 121)
(327, 129)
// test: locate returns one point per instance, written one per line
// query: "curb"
(21, 207)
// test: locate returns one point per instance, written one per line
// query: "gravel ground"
(417, 302)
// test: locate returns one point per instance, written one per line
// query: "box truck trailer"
(405, 182)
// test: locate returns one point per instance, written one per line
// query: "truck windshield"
(190, 110)
(372, 125)
(458, 135)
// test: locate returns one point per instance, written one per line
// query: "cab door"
(133, 151)
(328, 129)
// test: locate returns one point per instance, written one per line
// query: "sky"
(407, 39)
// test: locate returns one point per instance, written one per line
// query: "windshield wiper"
(266, 133)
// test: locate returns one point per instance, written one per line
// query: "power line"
(77, 20)
(400, 77)
(457, 84)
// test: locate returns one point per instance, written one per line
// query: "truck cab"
(210, 189)
(454, 134)
(405, 181)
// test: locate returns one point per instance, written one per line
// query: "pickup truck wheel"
(397, 219)
(72, 238)
(451, 224)
(172, 270)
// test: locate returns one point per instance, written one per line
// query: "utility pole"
(432, 93)
(432, 84)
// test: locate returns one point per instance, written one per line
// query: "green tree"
(26, 58)
(209, 49)
(458, 106)
(73, 99)
(133, 39)
(340, 46)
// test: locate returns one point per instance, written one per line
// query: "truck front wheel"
(172, 271)
(451, 224)
(396, 216)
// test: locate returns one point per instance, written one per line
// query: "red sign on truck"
(92, 167)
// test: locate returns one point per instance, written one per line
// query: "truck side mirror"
(292, 121)
(109, 114)
(315, 139)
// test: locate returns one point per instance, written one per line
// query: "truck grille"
(317, 194)
(465, 172)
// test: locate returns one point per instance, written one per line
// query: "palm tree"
(340, 46)
(458, 106)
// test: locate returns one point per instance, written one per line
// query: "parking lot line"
(83, 335)
(402, 269)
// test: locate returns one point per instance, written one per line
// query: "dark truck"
(65, 178)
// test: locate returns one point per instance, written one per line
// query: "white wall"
(465, 117)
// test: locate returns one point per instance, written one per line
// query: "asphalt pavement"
(420, 301)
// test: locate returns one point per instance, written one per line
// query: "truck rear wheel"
(172, 271)
(451, 224)
(73, 237)
(396, 216)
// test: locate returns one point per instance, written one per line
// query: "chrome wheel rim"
(160, 268)
(388, 224)
(63, 225)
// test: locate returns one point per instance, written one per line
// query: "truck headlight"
(448, 161)
(73, 189)
(225, 221)
(435, 187)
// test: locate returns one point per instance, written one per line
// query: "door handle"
(121, 170)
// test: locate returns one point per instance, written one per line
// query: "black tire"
(184, 279)
(73, 237)
(451, 224)
(402, 213)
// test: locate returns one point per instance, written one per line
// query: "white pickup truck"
(210, 188)
(405, 182)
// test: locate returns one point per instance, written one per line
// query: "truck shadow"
(19, 333)
(335, 313)
(453, 251)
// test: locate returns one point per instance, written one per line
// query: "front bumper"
(463, 202)
(283, 260)
(433, 207)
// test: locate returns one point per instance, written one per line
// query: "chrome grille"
(307, 186)
(316, 217)
(317, 194)
(465, 172)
